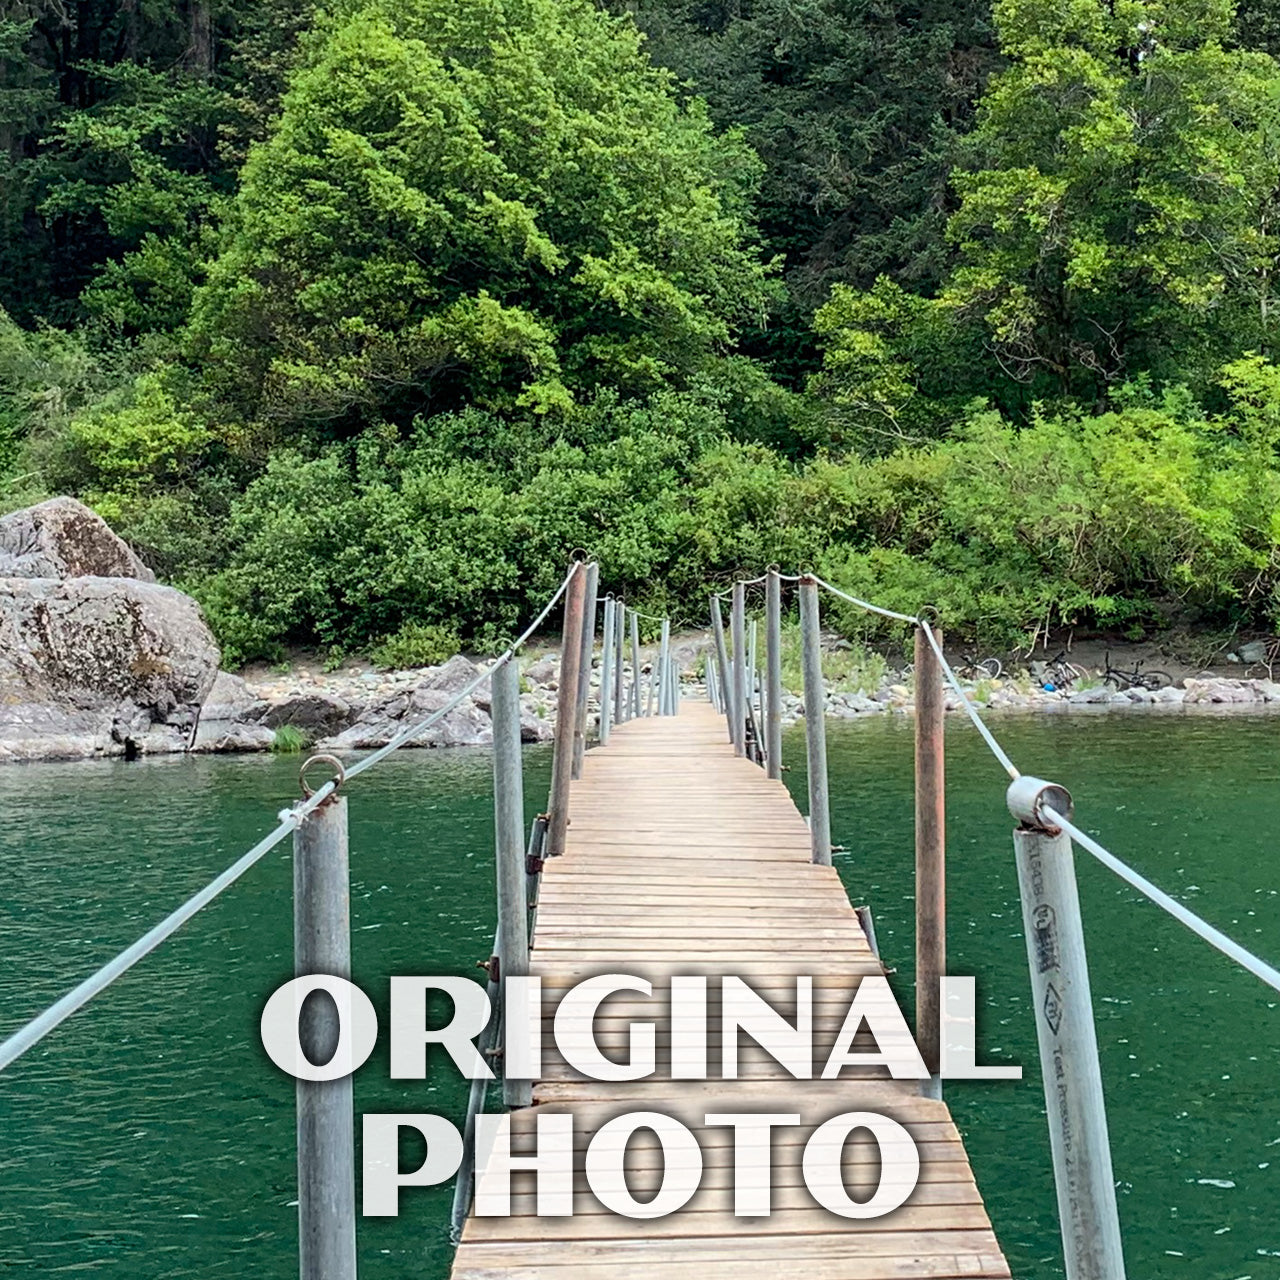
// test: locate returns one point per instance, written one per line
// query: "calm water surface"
(150, 1138)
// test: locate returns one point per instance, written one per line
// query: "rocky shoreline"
(97, 659)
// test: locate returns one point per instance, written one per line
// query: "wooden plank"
(682, 858)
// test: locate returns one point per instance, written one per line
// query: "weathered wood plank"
(682, 858)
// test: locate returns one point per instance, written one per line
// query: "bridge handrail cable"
(29, 1035)
(1200, 927)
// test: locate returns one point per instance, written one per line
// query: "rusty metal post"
(584, 668)
(737, 627)
(773, 674)
(566, 710)
(815, 723)
(931, 843)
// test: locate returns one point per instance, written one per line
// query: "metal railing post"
(326, 1120)
(584, 667)
(737, 629)
(619, 663)
(636, 709)
(566, 710)
(606, 670)
(673, 684)
(931, 842)
(815, 726)
(509, 849)
(722, 662)
(1065, 1031)
(664, 669)
(773, 674)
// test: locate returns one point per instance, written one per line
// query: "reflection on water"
(149, 1138)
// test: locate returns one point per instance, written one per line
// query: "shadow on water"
(150, 1138)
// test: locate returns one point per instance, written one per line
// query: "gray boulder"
(231, 718)
(99, 666)
(317, 714)
(452, 677)
(62, 538)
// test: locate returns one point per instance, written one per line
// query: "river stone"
(99, 666)
(62, 538)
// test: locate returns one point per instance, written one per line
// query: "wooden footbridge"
(673, 850)
(681, 858)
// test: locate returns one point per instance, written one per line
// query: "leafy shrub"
(416, 644)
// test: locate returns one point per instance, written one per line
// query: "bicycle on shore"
(1135, 679)
(1059, 674)
(973, 668)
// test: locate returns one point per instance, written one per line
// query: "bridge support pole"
(584, 667)
(773, 674)
(1068, 1044)
(326, 1121)
(815, 723)
(509, 849)
(931, 872)
(737, 627)
(636, 708)
(722, 664)
(566, 710)
(664, 669)
(606, 670)
(619, 663)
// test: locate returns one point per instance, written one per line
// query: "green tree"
(493, 203)
(1120, 214)
(855, 108)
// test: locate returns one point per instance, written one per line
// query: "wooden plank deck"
(682, 858)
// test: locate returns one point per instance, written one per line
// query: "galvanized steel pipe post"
(325, 1115)
(737, 618)
(509, 848)
(1063, 1008)
(636, 709)
(664, 665)
(619, 663)
(584, 667)
(773, 674)
(722, 663)
(606, 671)
(815, 727)
(566, 710)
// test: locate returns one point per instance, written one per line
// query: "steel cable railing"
(1200, 927)
(31, 1033)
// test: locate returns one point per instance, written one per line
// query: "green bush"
(416, 644)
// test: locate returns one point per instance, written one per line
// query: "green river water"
(149, 1137)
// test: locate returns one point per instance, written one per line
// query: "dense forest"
(353, 321)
